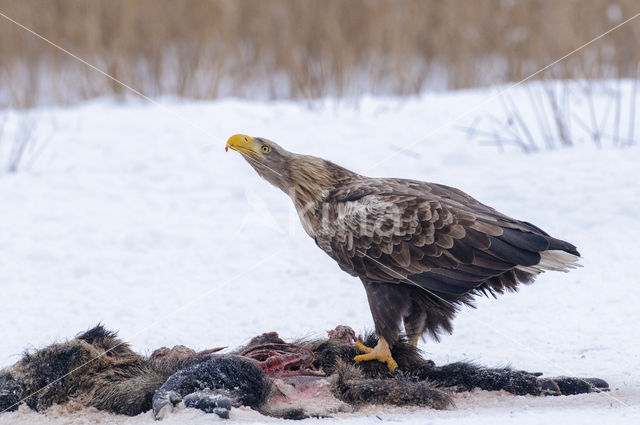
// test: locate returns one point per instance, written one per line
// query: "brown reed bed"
(303, 49)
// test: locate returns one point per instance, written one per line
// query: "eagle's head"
(306, 179)
(271, 161)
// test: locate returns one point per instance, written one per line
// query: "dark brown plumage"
(420, 249)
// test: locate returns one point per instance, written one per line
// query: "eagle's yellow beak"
(244, 144)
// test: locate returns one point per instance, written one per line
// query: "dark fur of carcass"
(97, 369)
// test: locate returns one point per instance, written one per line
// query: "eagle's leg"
(389, 303)
(415, 322)
(381, 353)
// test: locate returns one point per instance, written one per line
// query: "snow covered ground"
(133, 217)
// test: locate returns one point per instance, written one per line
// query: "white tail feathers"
(553, 260)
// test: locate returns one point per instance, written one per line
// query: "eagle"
(422, 250)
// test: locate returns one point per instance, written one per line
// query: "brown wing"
(432, 236)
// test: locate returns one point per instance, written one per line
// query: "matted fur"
(96, 369)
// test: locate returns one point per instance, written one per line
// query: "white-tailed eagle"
(421, 249)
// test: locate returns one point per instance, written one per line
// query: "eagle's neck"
(312, 180)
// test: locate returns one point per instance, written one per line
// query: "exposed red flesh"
(282, 359)
(344, 335)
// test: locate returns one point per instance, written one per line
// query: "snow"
(134, 216)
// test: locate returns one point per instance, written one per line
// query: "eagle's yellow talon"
(360, 346)
(381, 353)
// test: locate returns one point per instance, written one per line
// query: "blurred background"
(303, 49)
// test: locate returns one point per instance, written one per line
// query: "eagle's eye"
(266, 148)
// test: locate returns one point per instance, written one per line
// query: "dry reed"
(303, 48)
